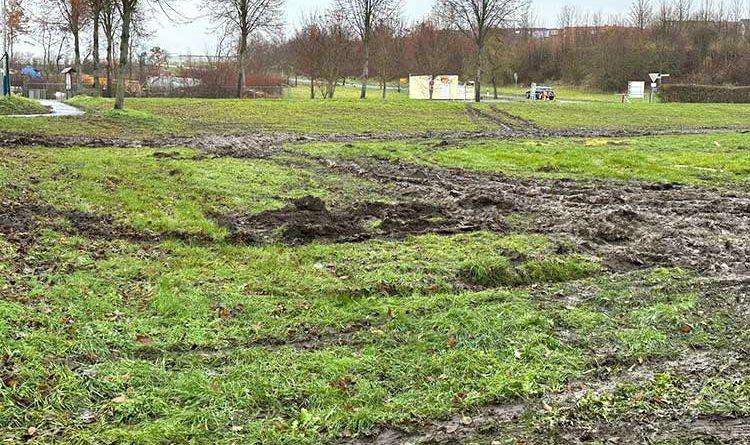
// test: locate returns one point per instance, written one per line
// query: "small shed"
(68, 72)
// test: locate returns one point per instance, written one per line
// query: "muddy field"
(627, 226)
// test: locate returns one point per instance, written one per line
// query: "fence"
(217, 92)
(42, 90)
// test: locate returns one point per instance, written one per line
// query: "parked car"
(543, 93)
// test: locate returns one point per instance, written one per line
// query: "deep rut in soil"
(629, 226)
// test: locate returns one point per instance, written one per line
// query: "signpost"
(655, 80)
(515, 79)
(5, 58)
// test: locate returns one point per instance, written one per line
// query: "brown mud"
(508, 127)
(309, 219)
(628, 225)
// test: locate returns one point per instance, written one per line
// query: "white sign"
(443, 87)
(653, 85)
(654, 76)
(637, 89)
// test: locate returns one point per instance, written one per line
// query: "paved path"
(61, 108)
(58, 109)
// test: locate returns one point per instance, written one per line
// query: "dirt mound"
(309, 219)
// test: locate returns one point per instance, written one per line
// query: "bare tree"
(244, 18)
(307, 45)
(110, 22)
(321, 50)
(49, 34)
(126, 9)
(477, 18)
(335, 53)
(95, 9)
(75, 14)
(388, 46)
(17, 22)
(132, 24)
(363, 15)
(641, 13)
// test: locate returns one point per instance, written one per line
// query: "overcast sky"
(196, 38)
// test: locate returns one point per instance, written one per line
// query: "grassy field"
(701, 159)
(185, 117)
(157, 117)
(563, 92)
(129, 315)
(16, 105)
(631, 116)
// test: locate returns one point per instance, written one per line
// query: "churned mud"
(309, 219)
(508, 126)
(628, 225)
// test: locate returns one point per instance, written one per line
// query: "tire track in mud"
(528, 419)
(627, 225)
(510, 127)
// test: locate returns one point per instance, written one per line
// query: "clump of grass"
(488, 272)
(498, 272)
(91, 103)
(136, 117)
(556, 270)
(16, 105)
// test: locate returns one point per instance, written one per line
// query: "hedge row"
(705, 94)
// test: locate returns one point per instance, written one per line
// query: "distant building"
(538, 33)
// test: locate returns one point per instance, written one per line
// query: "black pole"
(6, 75)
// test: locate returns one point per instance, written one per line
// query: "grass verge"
(16, 105)
(702, 159)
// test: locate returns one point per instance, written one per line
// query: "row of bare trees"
(706, 41)
(371, 32)
(487, 40)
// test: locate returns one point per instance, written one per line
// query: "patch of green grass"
(174, 194)
(703, 159)
(17, 105)
(213, 315)
(635, 116)
(494, 272)
(188, 117)
(117, 341)
(347, 114)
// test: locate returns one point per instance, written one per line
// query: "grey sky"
(197, 38)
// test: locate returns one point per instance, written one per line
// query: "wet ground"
(628, 226)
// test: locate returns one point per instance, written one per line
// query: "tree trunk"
(109, 67)
(478, 81)
(127, 14)
(79, 67)
(97, 85)
(312, 88)
(384, 87)
(241, 75)
(365, 70)
(494, 86)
